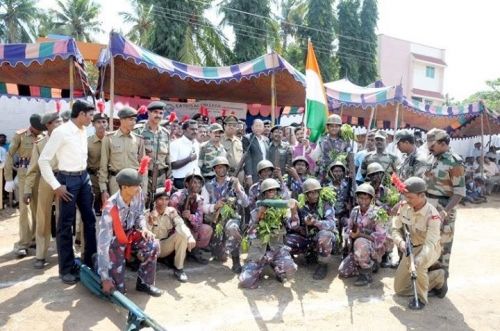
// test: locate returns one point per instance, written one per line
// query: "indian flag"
(316, 107)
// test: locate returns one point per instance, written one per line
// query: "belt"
(432, 196)
(72, 173)
(92, 171)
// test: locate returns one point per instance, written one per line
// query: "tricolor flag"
(316, 105)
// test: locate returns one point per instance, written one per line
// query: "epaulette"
(137, 135)
(110, 133)
(21, 131)
(40, 139)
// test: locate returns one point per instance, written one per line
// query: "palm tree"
(291, 14)
(142, 21)
(17, 20)
(78, 18)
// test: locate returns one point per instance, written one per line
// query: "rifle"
(137, 318)
(413, 270)
(243, 157)
(154, 177)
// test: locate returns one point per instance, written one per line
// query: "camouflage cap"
(49, 117)
(434, 135)
(129, 177)
(216, 127)
(99, 116)
(156, 105)
(231, 119)
(36, 122)
(65, 115)
(381, 135)
(127, 112)
(403, 134)
(415, 185)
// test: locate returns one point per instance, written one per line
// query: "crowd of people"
(164, 190)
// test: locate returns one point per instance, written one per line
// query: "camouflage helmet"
(269, 184)
(300, 158)
(264, 164)
(311, 184)
(336, 164)
(366, 188)
(334, 119)
(220, 160)
(373, 168)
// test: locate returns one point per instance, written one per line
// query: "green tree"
(490, 97)
(182, 32)
(142, 20)
(367, 70)
(253, 33)
(291, 14)
(349, 34)
(78, 18)
(17, 20)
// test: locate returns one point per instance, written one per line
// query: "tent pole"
(396, 119)
(111, 92)
(273, 99)
(71, 82)
(341, 110)
(369, 126)
(482, 145)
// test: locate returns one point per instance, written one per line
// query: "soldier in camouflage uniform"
(265, 170)
(342, 187)
(156, 145)
(315, 234)
(226, 190)
(414, 163)
(331, 146)
(123, 230)
(388, 161)
(445, 186)
(274, 252)
(210, 150)
(297, 175)
(22, 146)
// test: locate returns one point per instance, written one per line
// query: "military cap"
(276, 127)
(381, 135)
(99, 116)
(415, 185)
(300, 158)
(36, 122)
(127, 112)
(49, 117)
(231, 119)
(65, 115)
(403, 134)
(156, 105)
(434, 135)
(129, 177)
(216, 127)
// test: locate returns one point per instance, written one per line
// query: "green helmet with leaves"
(264, 164)
(311, 184)
(366, 188)
(373, 168)
(220, 160)
(334, 119)
(269, 184)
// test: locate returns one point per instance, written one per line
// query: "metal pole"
(111, 91)
(273, 99)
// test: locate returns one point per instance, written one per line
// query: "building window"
(416, 99)
(429, 72)
(428, 102)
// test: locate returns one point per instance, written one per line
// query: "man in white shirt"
(184, 153)
(72, 187)
(491, 173)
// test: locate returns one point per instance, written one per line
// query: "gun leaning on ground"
(137, 318)
(413, 269)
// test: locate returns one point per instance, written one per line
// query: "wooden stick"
(396, 119)
(370, 123)
(481, 164)
(273, 99)
(111, 91)
(71, 82)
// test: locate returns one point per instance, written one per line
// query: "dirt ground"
(37, 300)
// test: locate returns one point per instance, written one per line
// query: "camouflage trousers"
(362, 256)
(259, 255)
(202, 235)
(447, 234)
(146, 251)
(321, 244)
(230, 241)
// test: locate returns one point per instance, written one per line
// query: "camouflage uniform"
(445, 178)
(329, 148)
(389, 162)
(230, 241)
(413, 165)
(254, 194)
(364, 251)
(208, 153)
(274, 253)
(343, 199)
(317, 239)
(111, 254)
(295, 186)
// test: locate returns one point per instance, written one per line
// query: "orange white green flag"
(316, 105)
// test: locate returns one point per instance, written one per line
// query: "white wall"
(421, 81)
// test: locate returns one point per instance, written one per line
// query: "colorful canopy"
(139, 72)
(44, 65)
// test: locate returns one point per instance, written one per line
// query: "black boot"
(386, 261)
(236, 268)
(146, 288)
(441, 292)
(321, 271)
(364, 278)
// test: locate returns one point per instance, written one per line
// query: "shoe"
(311, 258)
(375, 267)
(39, 264)
(386, 261)
(282, 279)
(364, 278)
(320, 272)
(21, 252)
(149, 289)
(69, 279)
(441, 292)
(180, 275)
(33, 245)
(197, 255)
(413, 305)
(236, 268)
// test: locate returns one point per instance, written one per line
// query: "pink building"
(419, 67)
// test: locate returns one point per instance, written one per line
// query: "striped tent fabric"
(26, 54)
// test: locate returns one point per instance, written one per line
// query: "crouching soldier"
(226, 199)
(267, 228)
(122, 230)
(418, 217)
(366, 238)
(265, 170)
(315, 235)
(298, 174)
(169, 228)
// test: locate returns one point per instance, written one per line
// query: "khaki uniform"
(424, 226)
(22, 145)
(119, 151)
(93, 163)
(170, 229)
(234, 153)
(35, 183)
